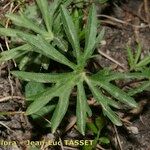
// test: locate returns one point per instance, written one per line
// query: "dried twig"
(7, 45)
(7, 98)
(61, 144)
(11, 10)
(99, 147)
(111, 59)
(4, 7)
(118, 138)
(70, 148)
(12, 113)
(1, 123)
(123, 22)
(71, 124)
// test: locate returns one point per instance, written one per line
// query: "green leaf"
(96, 82)
(1, 24)
(100, 122)
(92, 127)
(104, 140)
(9, 32)
(111, 115)
(43, 47)
(88, 110)
(23, 62)
(104, 103)
(100, 37)
(60, 43)
(91, 32)
(138, 54)
(130, 57)
(14, 53)
(118, 94)
(70, 31)
(113, 103)
(77, 16)
(139, 89)
(81, 108)
(57, 25)
(67, 2)
(23, 21)
(42, 98)
(53, 8)
(30, 91)
(110, 76)
(118, 76)
(31, 12)
(62, 105)
(44, 8)
(143, 62)
(41, 77)
(44, 111)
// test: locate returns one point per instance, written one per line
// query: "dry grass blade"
(1, 123)
(123, 22)
(118, 138)
(111, 59)
(7, 98)
(71, 124)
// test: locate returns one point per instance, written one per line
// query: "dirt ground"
(125, 22)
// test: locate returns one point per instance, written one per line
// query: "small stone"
(133, 129)
(103, 42)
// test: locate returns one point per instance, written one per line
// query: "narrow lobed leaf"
(62, 105)
(30, 91)
(118, 94)
(146, 72)
(14, 53)
(112, 103)
(137, 54)
(44, 8)
(24, 61)
(46, 49)
(130, 57)
(119, 76)
(100, 37)
(41, 100)
(44, 111)
(61, 43)
(111, 115)
(41, 77)
(53, 8)
(99, 97)
(139, 89)
(144, 62)
(81, 107)
(88, 110)
(23, 21)
(9, 32)
(91, 32)
(70, 31)
(67, 2)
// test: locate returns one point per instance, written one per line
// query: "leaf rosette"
(62, 84)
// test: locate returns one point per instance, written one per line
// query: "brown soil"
(13, 126)
(140, 139)
(135, 136)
